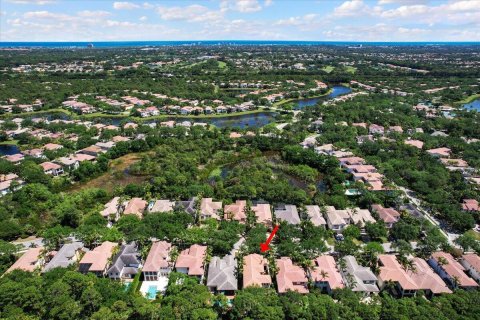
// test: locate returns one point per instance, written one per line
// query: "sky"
(314, 20)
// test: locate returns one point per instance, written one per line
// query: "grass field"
(328, 69)
(351, 69)
(469, 99)
(222, 65)
(9, 143)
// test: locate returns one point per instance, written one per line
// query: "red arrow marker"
(265, 246)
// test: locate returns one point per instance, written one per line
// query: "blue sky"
(335, 20)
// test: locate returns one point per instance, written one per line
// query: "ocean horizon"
(117, 44)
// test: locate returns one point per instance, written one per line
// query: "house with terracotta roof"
(391, 271)
(315, 215)
(158, 261)
(440, 152)
(96, 260)
(389, 215)
(376, 129)
(135, 206)
(263, 212)
(51, 168)
(191, 261)
(426, 279)
(126, 263)
(454, 164)
(161, 206)
(414, 143)
(451, 271)
(222, 275)
(255, 271)
(395, 129)
(290, 277)
(325, 274)
(351, 161)
(15, 158)
(471, 263)
(210, 209)
(29, 261)
(288, 213)
(236, 211)
(470, 205)
(92, 151)
(359, 278)
(111, 209)
(52, 146)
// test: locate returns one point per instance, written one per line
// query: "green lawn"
(9, 143)
(475, 234)
(351, 69)
(468, 99)
(328, 69)
(222, 65)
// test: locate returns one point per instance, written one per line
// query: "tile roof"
(158, 257)
(263, 212)
(162, 206)
(135, 206)
(426, 278)
(64, 257)
(290, 276)
(192, 259)
(388, 215)
(327, 265)
(210, 208)
(236, 210)
(254, 271)
(454, 269)
(221, 273)
(315, 215)
(391, 270)
(288, 213)
(28, 261)
(97, 259)
(470, 205)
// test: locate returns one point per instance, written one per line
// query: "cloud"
(144, 18)
(93, 14)
(125, 6)
(297, 21)
(244, 6)
(350, 8)
(192, 13)
(382, 2)
(36, 2)
(268, 3)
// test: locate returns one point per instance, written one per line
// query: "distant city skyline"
(336, 20)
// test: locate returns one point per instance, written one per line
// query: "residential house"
(209, 209)
(359, 278)
(96, 260)
(15, 158)
(35, 153)
(426, 279)
(471, 263)
(376, 129)
(191, 261)
(451, 271)
(222, 275)
(290, 277)
(29, 261)
(470, 205)
(188, 206)
(395, 129)
(52, 146)
(440, 152)
(161, 206)
(112, 209)
(51, 168)
(92, 150)
(158, 263)
(288, 213)
(315, 215)
(337, 220)
(105, 146)
(68, 254)
(454, 164)
(389, 215)
(263, 212)
(135, 206)
(255, 271)
(391, 271)
(236, 211)
(325, 274)
(415, 143)
(126, 263)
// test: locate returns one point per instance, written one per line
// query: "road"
(418, 205)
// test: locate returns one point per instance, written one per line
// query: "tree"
(257, 303)
(376, 230)
(352, 231)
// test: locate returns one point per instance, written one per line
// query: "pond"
(474, 105)
(8, 149)
(308, 102)
(243, 121)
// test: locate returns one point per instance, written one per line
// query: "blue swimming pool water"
(152, 292)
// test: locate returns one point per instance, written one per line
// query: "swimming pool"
(152, 292)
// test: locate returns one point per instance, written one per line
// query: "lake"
(252, 120)
(474, 105)
(7, 149)
(308, 102)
